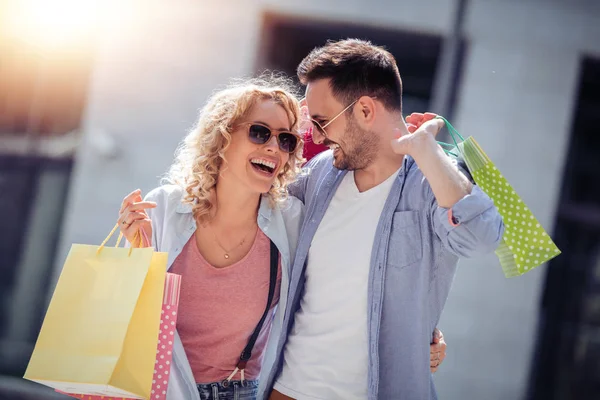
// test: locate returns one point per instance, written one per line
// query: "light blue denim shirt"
(173, 225)
(413, 262)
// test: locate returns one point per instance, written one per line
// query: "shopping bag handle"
(139, 237)
(449, 148)
(453, 134)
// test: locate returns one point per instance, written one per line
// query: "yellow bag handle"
(112, 232)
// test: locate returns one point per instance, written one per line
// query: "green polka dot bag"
(525, 244)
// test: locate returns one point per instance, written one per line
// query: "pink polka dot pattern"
(164, 352)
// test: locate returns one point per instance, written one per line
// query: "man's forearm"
(448, 184)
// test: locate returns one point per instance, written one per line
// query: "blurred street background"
(96, 95)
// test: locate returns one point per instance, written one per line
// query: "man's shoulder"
(417, 190)
(320, 162)
(315, 171)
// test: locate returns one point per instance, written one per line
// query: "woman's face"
(256, 166)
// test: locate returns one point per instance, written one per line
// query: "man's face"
(353, 146)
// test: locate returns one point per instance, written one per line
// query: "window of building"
(566, 364)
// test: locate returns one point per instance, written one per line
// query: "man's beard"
(359, 150)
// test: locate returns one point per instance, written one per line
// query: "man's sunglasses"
(321, 128)
(260, 134)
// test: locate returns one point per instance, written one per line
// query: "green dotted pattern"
(525, 244)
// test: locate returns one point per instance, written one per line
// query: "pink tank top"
(220, 307)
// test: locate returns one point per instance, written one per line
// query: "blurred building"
(82, 125)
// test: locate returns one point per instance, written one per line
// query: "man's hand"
(421, 140)
(437, 350)
(415, 120)
(448, 184)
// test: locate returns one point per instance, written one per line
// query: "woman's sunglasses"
(260, 134)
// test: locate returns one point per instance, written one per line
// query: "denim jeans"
(235, 390)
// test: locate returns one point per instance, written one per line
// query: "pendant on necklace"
(226, 256)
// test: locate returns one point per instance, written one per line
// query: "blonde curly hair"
(200, 157)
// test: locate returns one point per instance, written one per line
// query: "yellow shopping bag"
(100, 332)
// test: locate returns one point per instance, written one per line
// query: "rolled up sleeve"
(473, 226)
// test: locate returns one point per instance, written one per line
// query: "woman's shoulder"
(166, 194)
(168, 199)
(291, 206)
(292, 212)
(289, 210)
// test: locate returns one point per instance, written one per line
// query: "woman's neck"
(235, 208)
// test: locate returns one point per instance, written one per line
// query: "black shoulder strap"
(247, 352)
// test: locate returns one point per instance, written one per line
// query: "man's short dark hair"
(356, 68)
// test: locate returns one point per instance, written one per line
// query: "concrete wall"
(516, 97)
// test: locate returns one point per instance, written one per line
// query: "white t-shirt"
(326, 356)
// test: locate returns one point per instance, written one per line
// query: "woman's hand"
(133, 218)
(437, 350)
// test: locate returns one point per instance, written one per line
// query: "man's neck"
(376, 173)
(387, 161)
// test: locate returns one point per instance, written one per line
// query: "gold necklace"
(226, 255)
